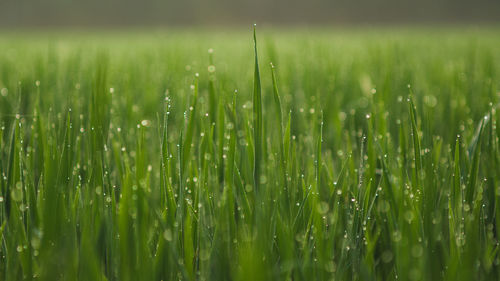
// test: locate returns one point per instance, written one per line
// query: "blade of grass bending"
(180, 202)
(220, 141)
(191, 123)
(257, 116)
(476, 155)
(457, 190)
(286, 137)
(229, 182)
(416, 143)
(318, 154)
(10, 167)
(232, 143)
(454, 206)
(168, 196)
(211, 87)
(279, 115)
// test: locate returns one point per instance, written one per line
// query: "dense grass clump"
(354, 156)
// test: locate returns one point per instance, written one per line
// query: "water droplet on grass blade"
(17, 192)
(145, 123)
(323, 208)
(167, 234)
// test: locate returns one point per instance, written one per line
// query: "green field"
(172, 155)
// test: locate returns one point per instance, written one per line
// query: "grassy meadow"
(186, 155)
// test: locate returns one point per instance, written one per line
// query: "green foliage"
(128, 157)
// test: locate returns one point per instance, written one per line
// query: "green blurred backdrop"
(125, 13)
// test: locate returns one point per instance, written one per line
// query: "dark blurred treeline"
(30, 13)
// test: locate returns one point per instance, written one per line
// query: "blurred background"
(135, 13)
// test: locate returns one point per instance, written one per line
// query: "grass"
(355, 156)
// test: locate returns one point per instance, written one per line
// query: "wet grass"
(353, 156)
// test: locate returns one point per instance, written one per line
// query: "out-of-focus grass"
(358, 156)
